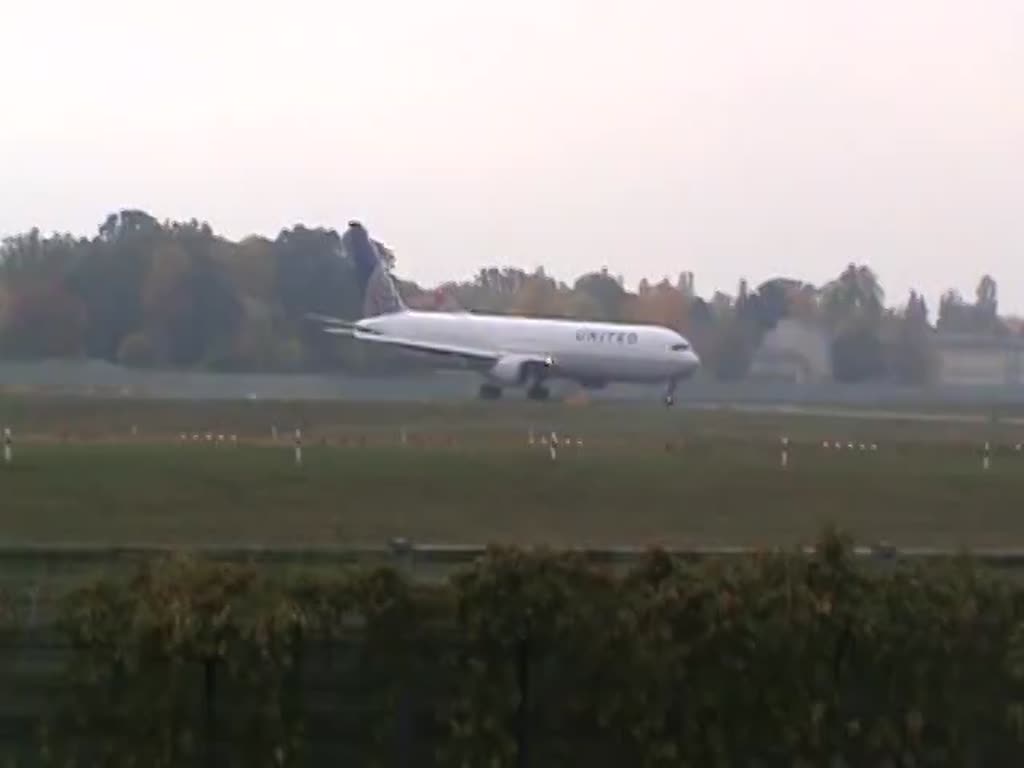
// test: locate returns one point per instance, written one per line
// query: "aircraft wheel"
(489, 392)
(670, 394)
(538, 392)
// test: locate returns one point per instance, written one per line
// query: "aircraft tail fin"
(377, 288)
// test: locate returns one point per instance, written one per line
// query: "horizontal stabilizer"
(328, 320)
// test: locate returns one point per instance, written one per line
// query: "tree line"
(149, 293)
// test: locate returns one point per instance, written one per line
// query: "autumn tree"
(251, 266)
(661, 304)
(987, 303)
(542, 296)
(42, 319)
(313, 275)
(854, 300)
(913, 358)
(108, 278)
(986, 309)
(605, 294)
(853, 306)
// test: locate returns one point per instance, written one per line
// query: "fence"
(209, 717)
(329, 713)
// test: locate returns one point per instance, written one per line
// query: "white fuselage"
(577, 349)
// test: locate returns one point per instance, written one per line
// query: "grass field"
(111, 472)
(702, 493)
(106, 473)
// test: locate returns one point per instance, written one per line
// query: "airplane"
(510, 351)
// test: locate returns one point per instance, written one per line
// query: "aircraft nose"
(690, 364)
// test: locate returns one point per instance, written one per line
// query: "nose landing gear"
(670, 393)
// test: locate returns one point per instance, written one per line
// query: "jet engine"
(516, 370)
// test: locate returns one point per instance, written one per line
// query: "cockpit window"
(681, 347)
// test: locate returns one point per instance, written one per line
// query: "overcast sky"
(734, 138)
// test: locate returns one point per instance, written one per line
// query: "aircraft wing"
(488, 356)
(448, 350)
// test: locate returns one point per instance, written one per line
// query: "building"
(968, 360)
(793, 351)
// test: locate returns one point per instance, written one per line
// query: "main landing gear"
(489, 392)
(493, 392)
(534, 375)
(538, 392)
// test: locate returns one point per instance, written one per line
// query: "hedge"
(541, 659)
